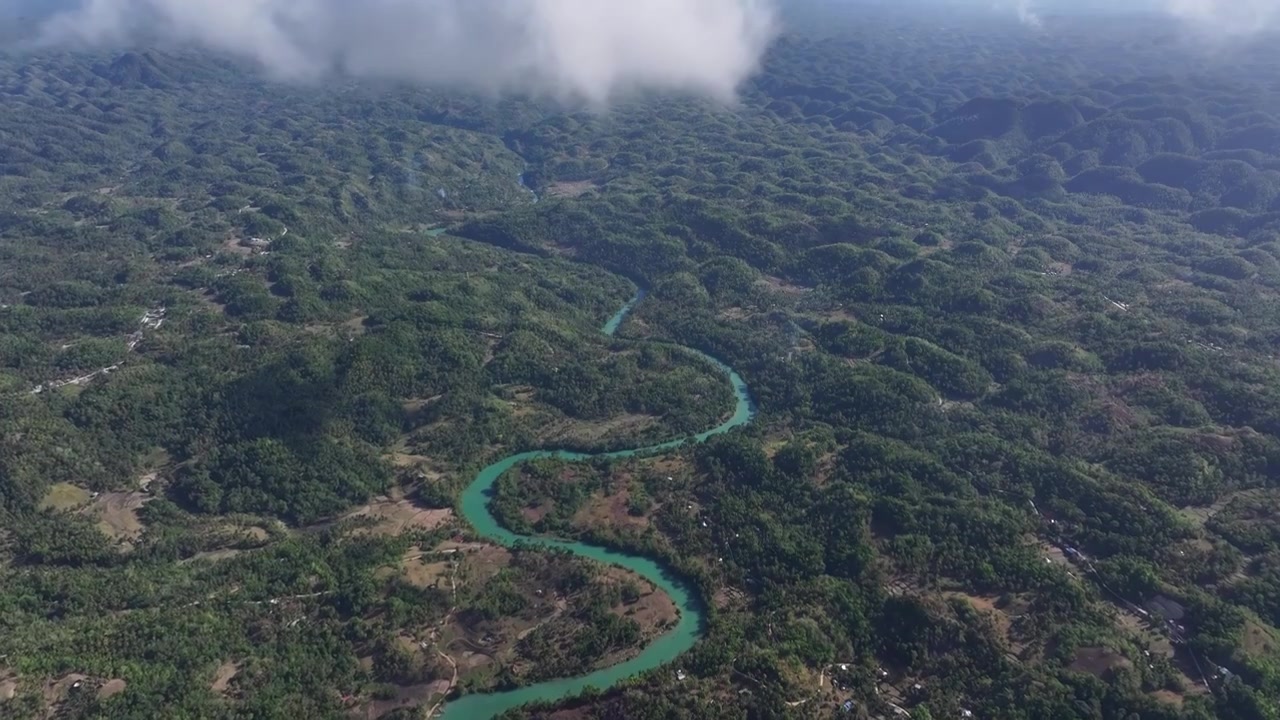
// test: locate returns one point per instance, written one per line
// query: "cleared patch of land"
(117, 514)
(111, 688)
(394, 514)
(214, 555)
(8, 685)
(410, 696)
(223, 676)
(1202, 515)
(236, 246)
(654, 610)
(535, 513)
(570, 189)
(425, 568)
(543, 630)
(64, 496)
(55, 692)
(610, 512)
(1005, 615)
(1261, 641)
(1098, 661)
(581, 432)
(777, 284)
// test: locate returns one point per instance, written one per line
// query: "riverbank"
(664, 649)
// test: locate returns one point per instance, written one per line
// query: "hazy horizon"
(579, 50)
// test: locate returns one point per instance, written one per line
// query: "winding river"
(664, 649)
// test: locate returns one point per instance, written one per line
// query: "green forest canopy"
(988, 311)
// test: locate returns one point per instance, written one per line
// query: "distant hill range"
(133, 69)
(1184, 142)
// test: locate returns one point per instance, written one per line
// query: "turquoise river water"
(475, 507)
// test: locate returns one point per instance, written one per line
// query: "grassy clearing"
(65, 496)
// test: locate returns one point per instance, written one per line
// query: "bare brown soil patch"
(1054, 554)
(1098, 661)
(408, 460)
(8, 686)
(425, 569)
(475, 647)
(255, 533)
(476, 562)
(1214, 442)
(610, 512)
(1260, 641)
(576, 432)
(233, 534)
(837, 315)
(485, 562)
(777, 284)
(355, 326)
(982, 602)
(406, 696)
(1169, 697)
(413, 406)
(945, 244)
(56, 691)
(1119, 413)
(472, 660)
(654, 610)
(570, 189)
(234, 246)
(223, 676)
(729, 597)
(394, 514)
(213, 555)
(537, 512)
(669, 465)
(1004, 617)
(111, 688)
(117, 514)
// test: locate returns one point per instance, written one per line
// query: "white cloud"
(1026, 12)
(1233, 17)
(575, 49)
(1210, 18)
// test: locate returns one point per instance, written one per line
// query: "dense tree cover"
(1011, 327)
(286, 375)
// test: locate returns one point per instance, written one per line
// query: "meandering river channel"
(662, 650)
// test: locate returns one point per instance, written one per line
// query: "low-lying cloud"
(1233, 17)
(1026, 12)
(587, 50)
(1207, 17)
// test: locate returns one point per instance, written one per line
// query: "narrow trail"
(662, 650)
(435, 637)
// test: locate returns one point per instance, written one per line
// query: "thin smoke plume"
(589, 50)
